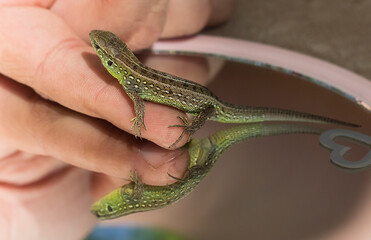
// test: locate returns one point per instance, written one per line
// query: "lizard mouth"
(103, 216)
(95, 213)
(94, 44)
(94, 36)
(111, 215)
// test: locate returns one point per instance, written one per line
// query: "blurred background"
(329, 30)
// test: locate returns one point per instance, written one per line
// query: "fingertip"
(158, 118)
(186, 17)
(158, 163)
(221, 10)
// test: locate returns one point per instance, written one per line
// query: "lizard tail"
(240, 114)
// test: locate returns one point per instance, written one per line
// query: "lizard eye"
(109, 208)
(109, 63)
(97, 47)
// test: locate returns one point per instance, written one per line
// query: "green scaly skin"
(143, 83)
(138, 197)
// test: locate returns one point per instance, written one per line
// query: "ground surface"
(332, 30)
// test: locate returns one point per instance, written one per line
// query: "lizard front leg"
(191, 127)
(138, 120)
(138, 185)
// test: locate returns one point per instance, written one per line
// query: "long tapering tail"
(229, 113)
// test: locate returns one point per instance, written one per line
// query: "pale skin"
(90, 126)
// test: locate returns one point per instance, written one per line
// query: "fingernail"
(156, 156)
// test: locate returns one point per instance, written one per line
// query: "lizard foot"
(187, 128)
(137, 123)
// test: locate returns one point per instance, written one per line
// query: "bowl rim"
(347, 83)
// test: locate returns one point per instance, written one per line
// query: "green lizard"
(138, 197)
(143, 83)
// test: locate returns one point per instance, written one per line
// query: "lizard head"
(117, 203)
(109, 49)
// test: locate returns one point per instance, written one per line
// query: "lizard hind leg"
(191, 127)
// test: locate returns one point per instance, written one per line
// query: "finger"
(17, 3)
(190, 17)
(142, 22)
(63, 68)
(221, 10)
(41, 127)
(138, 22)
(20, 168)
(186, 17)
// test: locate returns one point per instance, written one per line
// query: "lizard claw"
(176, 178)
(137, 124)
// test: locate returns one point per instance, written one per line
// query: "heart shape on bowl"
(338, 151)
